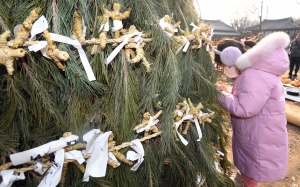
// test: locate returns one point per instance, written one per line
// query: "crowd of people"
(256, 102)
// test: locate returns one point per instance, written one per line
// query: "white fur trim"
(263, 49)
(243, 62)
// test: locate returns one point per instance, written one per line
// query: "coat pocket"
(246, 130)
(241, 131)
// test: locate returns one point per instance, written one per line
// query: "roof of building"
(220, 28)
(278, 24)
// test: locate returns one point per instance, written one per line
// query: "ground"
(292, 178)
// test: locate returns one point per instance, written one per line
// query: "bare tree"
(297, 20)
(240, 23)
(257, 12)
(241, 20)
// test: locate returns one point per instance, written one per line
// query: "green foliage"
(39, 102)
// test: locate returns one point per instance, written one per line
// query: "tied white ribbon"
(117, 25)
(26, 156)
(148, 126)
(82, 55)
(112, 156)
(164, 25)
(185, 46)
(138, 155)
(182, 139)
(53, 175)
(195, 120)
(74, 155)
(38, 167)
(195, 27)
(8, 177)
(120, 46)
(97, 163)
(40, 25)
(90, 138)
(104, 27)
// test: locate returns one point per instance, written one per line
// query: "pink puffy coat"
(257, 108)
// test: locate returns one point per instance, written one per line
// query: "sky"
(225, 10)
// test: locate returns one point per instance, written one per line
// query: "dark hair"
(249, 43)
(228, 42)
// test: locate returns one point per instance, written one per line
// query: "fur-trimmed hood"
(268, 55)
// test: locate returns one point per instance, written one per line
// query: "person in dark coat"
(294, 55)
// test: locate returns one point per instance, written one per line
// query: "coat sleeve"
(253, 93)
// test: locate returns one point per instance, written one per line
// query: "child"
(257, 107)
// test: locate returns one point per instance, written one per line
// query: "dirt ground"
(292, 178)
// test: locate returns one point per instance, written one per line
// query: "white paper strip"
(53, 175)
(217, 166)
(200, 43)
(38, 167)
(187, 109)
(40, 25)
(112, 156)
(74, 155)
(164, 25)
(178, 113)
(104, 27)
(35, 153)
(117, 25)
(83, 28)
(16, 29)
(195, 27)
(149, 125)
(82, 55)
(195, 120)
(43, 51)
(138, 155)
(178, 123)
(185, 46)
(220, 153)
(138, 39)
(207, 47)
(36, 47)
(90, 138)
(8, 177)
(200, 181)
(97, 163)
(120, 46)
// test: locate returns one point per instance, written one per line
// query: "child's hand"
(221, 87)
